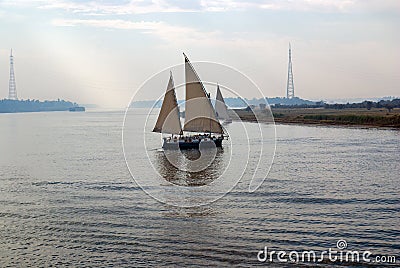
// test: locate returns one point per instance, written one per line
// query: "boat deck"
(192, 142)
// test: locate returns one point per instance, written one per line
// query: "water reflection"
(178, 175)
(192, 212)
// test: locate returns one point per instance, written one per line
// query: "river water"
(67, 198)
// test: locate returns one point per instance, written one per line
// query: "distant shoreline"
(31, 106)
(374, 118)
(328, 124)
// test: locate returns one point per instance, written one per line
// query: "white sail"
(199, 113)
(220, 107)
(169, 119)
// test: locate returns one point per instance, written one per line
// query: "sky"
(100, 52)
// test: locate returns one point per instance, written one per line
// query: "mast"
(199, 114)
(168, 120)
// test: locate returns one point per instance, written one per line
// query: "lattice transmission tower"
(12, 88)
(290, 83)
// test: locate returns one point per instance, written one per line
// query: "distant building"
(263, 106)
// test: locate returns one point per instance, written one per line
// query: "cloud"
(178, 6)
(161, 29)
(112, 24)
(159, 6)
(171, 34)
(133, 7)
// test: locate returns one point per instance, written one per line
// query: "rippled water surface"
(67, 198)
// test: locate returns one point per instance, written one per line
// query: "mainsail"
(168, 120)
(220, 106)
(199, 112)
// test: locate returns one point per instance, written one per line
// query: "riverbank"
(26, 106)
(320, 116)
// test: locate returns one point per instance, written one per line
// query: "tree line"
(17, 106)
(387, 104)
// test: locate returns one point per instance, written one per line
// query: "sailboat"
(200, 116)
(220, 108)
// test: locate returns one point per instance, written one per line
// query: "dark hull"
(187, 145)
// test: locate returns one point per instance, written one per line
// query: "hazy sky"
(102, 51)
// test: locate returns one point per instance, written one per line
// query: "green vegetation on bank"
(362, 117)
(387, 104)
(384, 113)
(391, 120)
(320, 116)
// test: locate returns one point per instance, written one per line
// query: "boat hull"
(192, 144)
